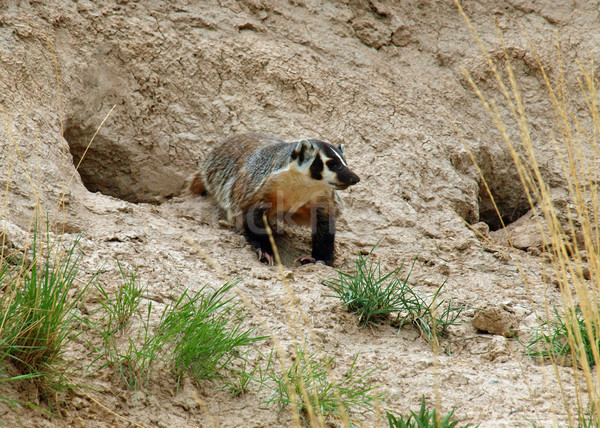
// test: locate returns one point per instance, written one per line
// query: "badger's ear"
(304, 150)
(342, 148)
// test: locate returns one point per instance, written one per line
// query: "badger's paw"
(265, 257)
(305, 260)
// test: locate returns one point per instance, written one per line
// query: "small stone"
(371, 32)
(495, 321)
(481, 229)
(261, 273)
(401, 36)
(187, 398)
(498, 350)
(462, 244)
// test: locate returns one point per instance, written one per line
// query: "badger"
(252, 175)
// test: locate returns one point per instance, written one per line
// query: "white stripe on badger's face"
(339, 157)
(336, 171)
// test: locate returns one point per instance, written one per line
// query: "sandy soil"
(172, 79)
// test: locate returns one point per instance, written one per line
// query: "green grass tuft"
(307, 387)
(431, 318)
(39, 310)
(126, 301)
(375, 296)
(199, 335)
(205, 333)
(588, 419)
(555, 339)
(132, 360)
(423, 419)
(368, 293)
(242, 373)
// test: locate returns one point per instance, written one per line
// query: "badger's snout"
(346, 178)
(353, 178)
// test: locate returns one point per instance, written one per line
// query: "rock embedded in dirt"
(187, 397)
(496, 321)
(498, 349)
(529, 232)
(481, 229)
(371, 32)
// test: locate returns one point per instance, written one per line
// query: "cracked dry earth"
(170, 80)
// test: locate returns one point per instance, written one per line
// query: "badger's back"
(234, 171)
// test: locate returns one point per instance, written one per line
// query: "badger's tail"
(194, 185)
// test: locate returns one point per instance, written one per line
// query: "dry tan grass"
(576, 241)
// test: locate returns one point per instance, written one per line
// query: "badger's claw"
(304, 260)
(265, 257)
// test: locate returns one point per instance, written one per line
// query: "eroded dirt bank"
(382, 77)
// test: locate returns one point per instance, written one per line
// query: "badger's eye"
(334, 166)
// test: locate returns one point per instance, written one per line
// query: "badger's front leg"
(256, 233)
(323, 235)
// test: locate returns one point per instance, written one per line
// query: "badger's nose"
(353, 179)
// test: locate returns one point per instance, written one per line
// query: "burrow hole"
(105, 168)
(511, 201)
(124, 168)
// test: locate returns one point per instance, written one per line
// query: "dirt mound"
(154, 85)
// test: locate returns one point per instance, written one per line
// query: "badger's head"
(324, 162)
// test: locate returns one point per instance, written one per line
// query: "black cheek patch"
(316, 169)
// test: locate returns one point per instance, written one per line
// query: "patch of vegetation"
(425, 418)
(589, 419)
(199, 335)
(559, 338)
(307, 387)
(431, 318)
(368, 293)
(375, 296)
(242, 373)
(570, 228)
(4, 377)
(125, 303)
(133, 359)
(205, 333)
(39, 311)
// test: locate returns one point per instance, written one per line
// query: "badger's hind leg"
(256, 233)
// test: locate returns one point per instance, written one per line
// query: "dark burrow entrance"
(511, 201)
(123, 169)
(105, 167)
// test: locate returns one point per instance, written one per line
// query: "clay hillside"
(107, 108)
